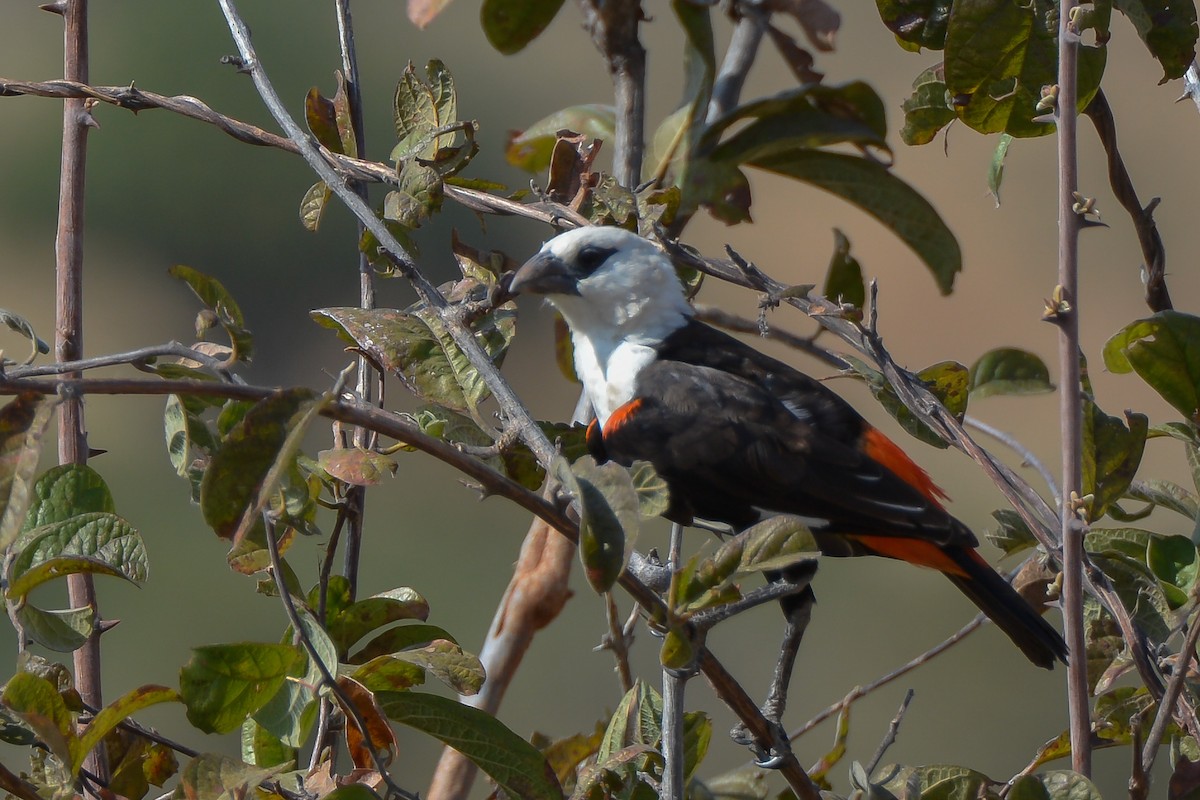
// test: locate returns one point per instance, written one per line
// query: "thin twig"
(739, 58)
(904, 669)
(732, 322)
(1166, 706)
(1154, 274)
(1066, 315)
(1014, 444)
(135, 100)
(893, 729)
(674, 684)
(613, 25)
(617, 641)
(141, 356)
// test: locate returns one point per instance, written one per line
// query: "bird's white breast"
(609, 373)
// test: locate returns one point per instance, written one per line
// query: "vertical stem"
(673, 683)
(68, 332)
(613, 25)
(1070, 409)
(356, 496)
(743, 48)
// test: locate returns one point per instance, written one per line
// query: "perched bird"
(737, 434)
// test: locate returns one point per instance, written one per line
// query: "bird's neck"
(609, 353)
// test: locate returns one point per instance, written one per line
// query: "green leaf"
(321, 115)
(948, 382)
(62, 631)
(916, 23)
(224, 684)
(38, 703)
(421, 108)
(653, 496)
(844, 280)
(697, 733)
(64, 491)
(418, 197)
(415, 346)
(237, 471)
(1012, 535)
(1167, 495)
(609, 516)
(1168, 27)
(531, 149)
(22, 423)
(364, 616)
(1058, 784)
(636, 721)
(1000, 92)
(874, 189)
(935, 781)
(261, 748)
(312, 205)
(928, 109)
(401, 637)
(92, 542)
(1009, 371)
(1164, 350)
(774, 543)
(289, 715)
(449, 663)
(514, 764)
(996, 169)
(387, 673)
(357, 466)
(1140, 593)
(809, 116)
(20, 325)
(113, 714)
(512, 24)
(1111, 455)
(214, 777)
(216, 298)
(1173, 561)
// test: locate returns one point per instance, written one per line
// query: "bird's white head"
(608, 283)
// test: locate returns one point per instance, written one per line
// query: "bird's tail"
(1038, 640)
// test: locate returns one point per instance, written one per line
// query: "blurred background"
(164, 190)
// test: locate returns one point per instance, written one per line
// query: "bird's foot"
(767, 755)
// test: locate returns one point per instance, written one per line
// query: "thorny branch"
(613, 26)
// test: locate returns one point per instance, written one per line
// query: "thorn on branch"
(59, 7)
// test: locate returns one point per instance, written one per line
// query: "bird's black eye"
(591, 257)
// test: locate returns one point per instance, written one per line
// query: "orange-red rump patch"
(883, 450)
(914, 551)
(622, 415)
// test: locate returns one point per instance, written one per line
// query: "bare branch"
(893, 729)
(1066, 317)
(138, 358)
(613, 26)
(739, 58)
(902, 670)
(1154, 274)
(1166, 706)
(1014, 444)
(732, 322)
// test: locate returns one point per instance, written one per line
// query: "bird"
(738, 435)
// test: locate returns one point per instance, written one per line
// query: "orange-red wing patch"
(914, 551)
(883, 450)
(622, 415)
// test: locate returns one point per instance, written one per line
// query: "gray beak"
(545, 273)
